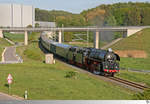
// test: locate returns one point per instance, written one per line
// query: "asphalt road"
(10, 54)
(6, 97)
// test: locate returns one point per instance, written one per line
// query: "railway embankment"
(134, 50)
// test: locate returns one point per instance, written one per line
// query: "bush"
(71, 74)
(29, 26)
(37, 25)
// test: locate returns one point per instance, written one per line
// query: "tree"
(145, 15)
(29, 26)
(110, 21)
(134, 17)
(37, 25)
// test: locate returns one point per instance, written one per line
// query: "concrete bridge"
(127, 31)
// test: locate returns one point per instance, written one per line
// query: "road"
(7, 97)
(10, 54)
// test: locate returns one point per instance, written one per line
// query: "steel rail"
(133, 84)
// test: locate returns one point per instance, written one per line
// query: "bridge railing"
(116, 28)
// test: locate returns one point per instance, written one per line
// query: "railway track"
(129, 83)
(123, 82)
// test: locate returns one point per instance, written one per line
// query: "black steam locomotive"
(95, 60)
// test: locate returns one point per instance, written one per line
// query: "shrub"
(71, 74)
(37, 25)
(29, 26)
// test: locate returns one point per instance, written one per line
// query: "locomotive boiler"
(95, 60)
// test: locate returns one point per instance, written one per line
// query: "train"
(97, 61)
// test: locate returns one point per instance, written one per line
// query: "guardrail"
(124, 28)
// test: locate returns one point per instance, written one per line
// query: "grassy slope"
(20, 37)
(138, 41)
(143, 78)
(3, 44)
(45, 81)
(14, 37)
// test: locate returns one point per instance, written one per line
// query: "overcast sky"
(74, 6)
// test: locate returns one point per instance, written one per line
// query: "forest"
(119, 14)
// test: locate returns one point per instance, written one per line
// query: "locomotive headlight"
(106, 66)
(109, 56)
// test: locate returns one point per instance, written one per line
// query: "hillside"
(3, 44)
(137, 50)
(60, 17)
(118, 14)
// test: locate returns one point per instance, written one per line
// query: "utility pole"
(62, 33)
(88, 38)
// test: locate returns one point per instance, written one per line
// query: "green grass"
(49, 82)
(143, 78)
(14, 37)
(135, 63)
(44, 81)
(3, 44)
(20, 37)
(138, 41)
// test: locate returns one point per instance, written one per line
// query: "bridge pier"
(60, 36)
(1, 34)
(124, 34)
(96, 40)
(26, 38)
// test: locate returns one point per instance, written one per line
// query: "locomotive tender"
(95, 60)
